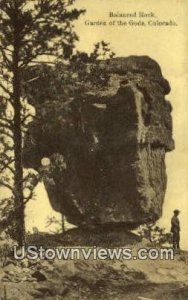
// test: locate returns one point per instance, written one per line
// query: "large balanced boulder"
(113, 171)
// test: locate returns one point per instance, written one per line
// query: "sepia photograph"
(93, 150)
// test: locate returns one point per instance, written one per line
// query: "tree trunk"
(18, 177)
(17, 137)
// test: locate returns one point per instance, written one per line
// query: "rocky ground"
(94, 279)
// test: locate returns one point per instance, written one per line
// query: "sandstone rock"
(113, 170)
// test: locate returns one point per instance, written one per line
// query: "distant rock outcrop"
(114, 171)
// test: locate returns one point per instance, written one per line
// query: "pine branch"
(5, 89)
(5, 49)
(8, 158)
(3, 78)
(6, 123)
(26, 117)
(5, 119)
(43, 62)
(7, 166)
(8, 186)
(31, 193)
(6, 126)
(7, 61)
(6, 99)
(6, 133)
(30, 60)
(29, 197)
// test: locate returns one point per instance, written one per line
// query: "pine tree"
(29, 30)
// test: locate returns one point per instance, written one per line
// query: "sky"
(169, 47)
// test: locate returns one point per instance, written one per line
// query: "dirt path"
(109, 280)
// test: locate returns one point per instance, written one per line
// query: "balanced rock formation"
(114, 170)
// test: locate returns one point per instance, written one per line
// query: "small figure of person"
(175, 229)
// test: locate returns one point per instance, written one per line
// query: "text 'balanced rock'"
(113, 171)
